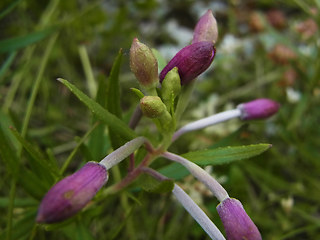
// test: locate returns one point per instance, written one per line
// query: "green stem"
(92, 85)
(70, 157)
(184, 100)
(11, 207)
(37, 84)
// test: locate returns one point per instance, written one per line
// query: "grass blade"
(15, 43)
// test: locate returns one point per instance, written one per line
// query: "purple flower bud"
(191, 61)
(258, 109)
(206, 29)
(72, 193)
(236, 222)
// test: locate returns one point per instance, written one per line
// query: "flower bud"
(72, 193)
(206, 29)
(258, 109)
(143, 64)
(152, 106)
(191, 61)
(170, 86)
(236, 222)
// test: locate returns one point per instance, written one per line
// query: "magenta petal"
(72, 193)
(206, 29)
(258, 109)
(191, 61)
(236, 222)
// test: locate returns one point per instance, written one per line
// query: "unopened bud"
(72, 193)
(171, 85)
(152, 106)
(206, 29)
(258, 109)
(237, 224)
(143, 64)
(191, 61)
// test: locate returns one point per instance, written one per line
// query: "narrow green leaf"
(9, 8)
(18, 202)
(45, 168)
(161, 61)
(113, 87)
(75, 150)
(113, 99)
(12, 44)
(216, 156)
(137, 92)
(108, 118)
(83, 233)
(149, 184)
(22, 227)
(174, 171)
(7, 63)
(8, 154)
(98, 142)
(226, 154)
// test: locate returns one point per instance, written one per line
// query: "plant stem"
(136, 116)
(122, 152)
(196, 212)
(208, 121)
(92, 85)
(200, 174)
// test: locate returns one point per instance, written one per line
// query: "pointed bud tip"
(258, 109)
(236, 221)
(206, 29)
(72, 193)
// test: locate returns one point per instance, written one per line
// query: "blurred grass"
(279, 189)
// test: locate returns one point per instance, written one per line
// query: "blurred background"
(265, 49)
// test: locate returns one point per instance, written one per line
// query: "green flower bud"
(152, 106)
(143, 64)
(171, 86)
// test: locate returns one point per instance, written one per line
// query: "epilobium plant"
(163, 98)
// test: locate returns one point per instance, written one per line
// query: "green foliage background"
(79, 41)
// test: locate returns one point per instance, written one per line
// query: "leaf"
(9, 8)
(102, 114)
(6, 64)
(226, 154)
(42, 167)
(29, 181)
(82, 232)
(113, 87)
(8, 154)
(149, 184)
(216, 156)
(137, 92)
(12, 44)
(22, 227)
(98, 141)
(161, 61)
(174, 171)
(113, 99)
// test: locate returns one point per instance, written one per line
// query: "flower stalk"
(197, 213)
(122, 152)
(208, 121)
(200, 174)
(257, 109)
(193, 209)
